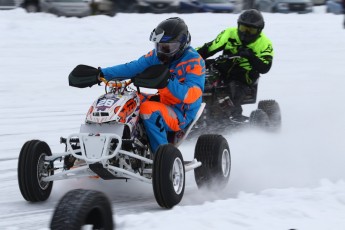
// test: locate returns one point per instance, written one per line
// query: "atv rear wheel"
(168, 176)
(80, 207)
(32, 168)
(259, 119)
(272, 109)
(214, 154)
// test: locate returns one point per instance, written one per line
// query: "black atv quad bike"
(216, 115)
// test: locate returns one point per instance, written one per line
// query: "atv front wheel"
(32, 168)
(214, 154)
(168, 176)
(80, 207)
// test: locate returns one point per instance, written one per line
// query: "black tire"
(32, 7)
(31, 167)
(168, 176)
(80, 207)
(272, 109)
(259, 119)
(214, 154)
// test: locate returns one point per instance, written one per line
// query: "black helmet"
(171, 39)
(250, 24)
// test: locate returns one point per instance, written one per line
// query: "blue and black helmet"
(171, 38)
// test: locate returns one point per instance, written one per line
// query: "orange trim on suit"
(149, 107)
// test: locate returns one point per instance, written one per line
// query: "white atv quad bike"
(112, 144)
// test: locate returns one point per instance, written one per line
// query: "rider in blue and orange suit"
(176, 105)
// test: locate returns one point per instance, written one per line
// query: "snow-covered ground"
(291, 180)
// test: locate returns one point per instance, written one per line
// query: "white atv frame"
(112, 144)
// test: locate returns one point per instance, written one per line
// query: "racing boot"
(236, 115)
(239, 118)
(226, 106)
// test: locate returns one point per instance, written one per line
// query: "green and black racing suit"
(240, 73)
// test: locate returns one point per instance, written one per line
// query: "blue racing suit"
(178, 102)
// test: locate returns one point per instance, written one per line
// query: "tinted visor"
(247, 29)
(167, 48)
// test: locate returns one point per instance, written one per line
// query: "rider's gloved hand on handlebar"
(225, 57)
(245, 52)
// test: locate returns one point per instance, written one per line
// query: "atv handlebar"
(226, 57)
(115, 85)
(212, 63)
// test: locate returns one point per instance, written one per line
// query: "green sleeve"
(213, 47)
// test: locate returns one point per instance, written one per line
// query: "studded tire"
(272, 109)
(168, 176)
(213, 152)
(259, 119)
(81, 207)
(32, 168)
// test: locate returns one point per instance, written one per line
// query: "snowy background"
(291, 180)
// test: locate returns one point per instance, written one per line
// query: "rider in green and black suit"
(248, 41)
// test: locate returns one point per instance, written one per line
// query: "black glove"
(223, 57)
(84, 76)
(99, 76)
(245, 52)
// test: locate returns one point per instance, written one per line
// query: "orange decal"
(196, 70)
(127, 110)
(149, 107)
(90, 110)
(167, 97)
(189, 61)
(193, 94)
(121, 114)
(191, 66)
(149, 54)
(129, 107)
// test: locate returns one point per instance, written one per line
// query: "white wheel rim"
(177, 175)
(226, 163)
